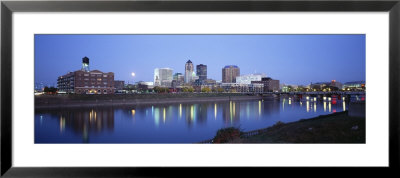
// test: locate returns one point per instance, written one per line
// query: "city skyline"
(293, 59)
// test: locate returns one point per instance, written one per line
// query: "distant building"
(119, 85)
(270, 85)
(246, 79)
(39, 86)
(242, 88)
(209, 82)
(163, 77)
(178, 79)
(318, 86)
(336, 84)
(229, 73)
(142, 86)
(201, 72)
(356, 85)
(288, 87)
(86, 82)
(189, 69)
(326, 86)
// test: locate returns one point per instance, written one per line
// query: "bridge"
(314, 95)
(318, 93)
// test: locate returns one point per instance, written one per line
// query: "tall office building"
(162, 77)
(229, 73)
(201, 72)
(189, 69)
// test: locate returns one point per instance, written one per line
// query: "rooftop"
(231, 66)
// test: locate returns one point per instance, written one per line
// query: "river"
(174, 123)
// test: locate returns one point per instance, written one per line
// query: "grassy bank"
(333, 128)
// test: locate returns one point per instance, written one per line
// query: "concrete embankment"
(70, 101)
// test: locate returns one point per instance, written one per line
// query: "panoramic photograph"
(199, 88)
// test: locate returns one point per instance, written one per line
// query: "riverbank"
(74, 101)
(332, 128)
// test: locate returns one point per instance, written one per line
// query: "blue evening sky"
(292, 59)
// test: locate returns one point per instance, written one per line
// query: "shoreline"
(337, 127)
(59, 102)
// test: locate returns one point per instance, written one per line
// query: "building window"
(104, 75)
(86, 75)
(105, 91)
(99, 91)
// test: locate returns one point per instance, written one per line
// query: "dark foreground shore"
(332, 128)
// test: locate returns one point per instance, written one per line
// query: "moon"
(133, 74)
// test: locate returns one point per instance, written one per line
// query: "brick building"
(85, 81)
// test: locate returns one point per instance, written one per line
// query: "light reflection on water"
(176, 123)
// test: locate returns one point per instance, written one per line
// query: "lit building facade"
(82, 82)
(242, 88)
(189, 70)
(86, 82)
(229, 73)
(162, 77)
(247, 79)
(356, 85)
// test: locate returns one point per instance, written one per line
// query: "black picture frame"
(8, 7)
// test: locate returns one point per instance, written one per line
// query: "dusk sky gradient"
(292, 59)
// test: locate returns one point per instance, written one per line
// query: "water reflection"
(182, 122)
(82, 122)
(230, 113)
